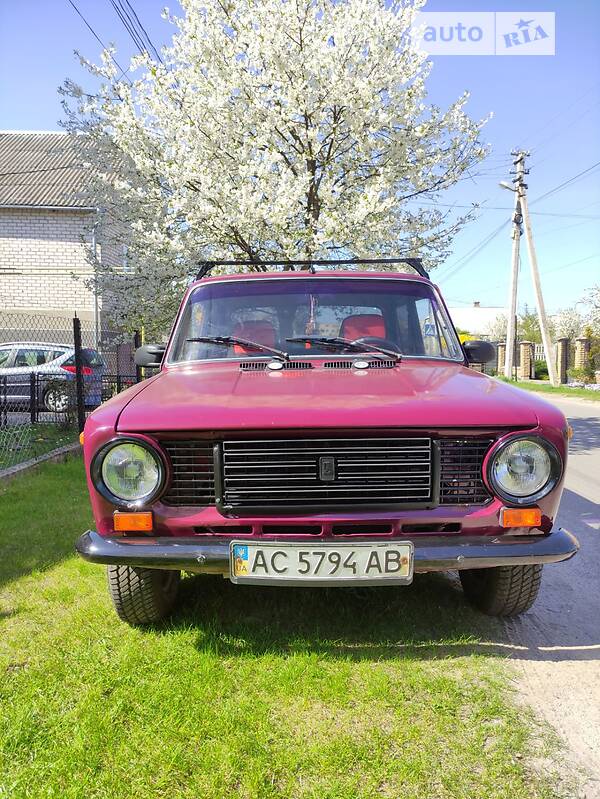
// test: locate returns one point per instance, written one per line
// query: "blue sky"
(549, 105)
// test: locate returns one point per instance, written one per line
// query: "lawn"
(561, 391)
(245, 692)
(23, 441)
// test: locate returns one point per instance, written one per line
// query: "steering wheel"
(379, 342)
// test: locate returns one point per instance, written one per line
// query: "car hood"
(219, 396)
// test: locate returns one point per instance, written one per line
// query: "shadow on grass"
(429, 619)
(426, 620)
(41, 515)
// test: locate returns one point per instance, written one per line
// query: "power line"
(496, 286)
(131, 22)
(44, 169)
(566, 183)
(474, 252)
(482, 207)
(128, 27)
(560, 115)
(144, 31)
(99, 40)
(572, 263)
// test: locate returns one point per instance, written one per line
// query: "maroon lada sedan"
(322, 428)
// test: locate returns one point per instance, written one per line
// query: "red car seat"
(360, 325)
(260, 331)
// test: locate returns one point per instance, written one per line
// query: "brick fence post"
(501, 350)
(582, 351)
(526, 350)
(562, 358)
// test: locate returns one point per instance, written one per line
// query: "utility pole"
(96, 298)
(523, 208)
(511, 326)
(537, 286)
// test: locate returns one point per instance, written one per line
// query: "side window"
(427, 327)
(28, 357)
(437, 340)
(5, 357)
(92, 358)
(448, 344)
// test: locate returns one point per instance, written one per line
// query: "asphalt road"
(557, 644)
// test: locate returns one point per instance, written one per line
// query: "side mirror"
(149, 355)
(479, 351)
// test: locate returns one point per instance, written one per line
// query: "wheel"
(142, 596)
(56, 400)
(502, 590)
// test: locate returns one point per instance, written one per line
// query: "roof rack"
(414, 263)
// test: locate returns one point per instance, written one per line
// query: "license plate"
(320, 564)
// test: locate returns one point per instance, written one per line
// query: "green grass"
(245, 692)
(546, 388)
(24, 441)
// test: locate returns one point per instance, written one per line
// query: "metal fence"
(53, 372)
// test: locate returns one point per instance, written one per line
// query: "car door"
(26, 360)
(6, 361)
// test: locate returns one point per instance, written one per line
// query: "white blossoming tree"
(496, 330)
(270, 129)
(593, 319)
(568, 323)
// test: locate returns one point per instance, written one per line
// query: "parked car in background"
(322, 429)
(53, 368)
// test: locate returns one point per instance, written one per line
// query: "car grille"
(379, 363)
(326, 472)
(261, 366)
(461, 471)
(192, 473)
(279, 474)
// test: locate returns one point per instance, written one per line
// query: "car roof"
(318, 274)
(44, 344)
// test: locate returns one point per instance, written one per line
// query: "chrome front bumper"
(431, 553)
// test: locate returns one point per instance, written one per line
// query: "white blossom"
(568, 323)
(593, 318)
(272, 129)
(496, 330)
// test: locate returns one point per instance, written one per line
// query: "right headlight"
(524, 469)
(128, 472)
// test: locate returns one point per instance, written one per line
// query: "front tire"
(142, 596)
(502, 590)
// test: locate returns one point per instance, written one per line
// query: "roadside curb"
(56, 456)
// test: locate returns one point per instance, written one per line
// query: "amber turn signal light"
(81, 439)
(140, 522)
(521, 517)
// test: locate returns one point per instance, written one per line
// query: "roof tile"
(43, 169)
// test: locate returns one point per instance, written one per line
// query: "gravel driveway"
(558, 641)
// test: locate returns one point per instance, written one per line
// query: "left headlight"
(524, 469)
(128, 472)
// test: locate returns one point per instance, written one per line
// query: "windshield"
(401, 315)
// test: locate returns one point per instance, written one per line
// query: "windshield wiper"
(227, 341)
(345, 343)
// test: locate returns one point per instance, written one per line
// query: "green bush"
(540, 370)
(581, 375)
